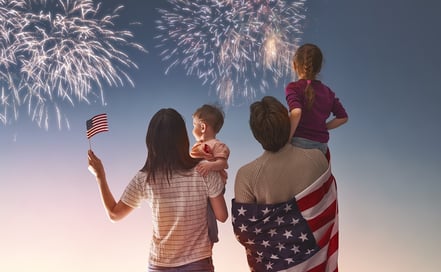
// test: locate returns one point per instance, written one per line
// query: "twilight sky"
(383, 60)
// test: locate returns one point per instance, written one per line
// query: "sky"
(382, 59)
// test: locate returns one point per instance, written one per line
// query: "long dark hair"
(167, 145)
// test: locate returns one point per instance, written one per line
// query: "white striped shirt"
(179, 210)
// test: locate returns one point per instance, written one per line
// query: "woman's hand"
(95, 165)
(115, 210)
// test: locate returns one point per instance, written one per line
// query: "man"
(285, 206)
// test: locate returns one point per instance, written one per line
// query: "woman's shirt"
(179, 212)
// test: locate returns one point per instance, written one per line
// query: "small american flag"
(97, 124)
(300, 235)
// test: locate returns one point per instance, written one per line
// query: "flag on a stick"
(97, 124)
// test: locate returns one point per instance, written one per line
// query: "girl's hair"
(308, 62)
(269, 122)
(167, 145)
(212, 115)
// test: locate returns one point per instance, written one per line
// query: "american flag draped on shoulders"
(300, 235)
(97, 124)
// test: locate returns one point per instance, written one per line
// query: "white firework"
(62, 52)
(238, 46)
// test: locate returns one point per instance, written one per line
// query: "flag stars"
(295, 221)
(250, 242)
(303, 237)
(269, 266)
(259, 259)
(274, 257)
(241, 211)
(272, 238)
(272, 232)
(280, 220)
(253, 219)
(265, 243)
(289, 260)
(280, 246)
(266, 210)
(257, 231)
(288, 207)
(287, 234)
(243, 228)
(295, 249)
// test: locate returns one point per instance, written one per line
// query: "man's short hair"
(269, 122)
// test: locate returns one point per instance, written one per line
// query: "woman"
(176, 193)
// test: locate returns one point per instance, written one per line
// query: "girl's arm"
(294, 117)
(115, 211)
(336, 122)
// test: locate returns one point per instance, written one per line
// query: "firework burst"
(238, 46)
(55, 52)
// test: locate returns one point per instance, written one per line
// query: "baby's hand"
(203, 168)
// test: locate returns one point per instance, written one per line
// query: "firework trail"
(54, 51)
(238, 46)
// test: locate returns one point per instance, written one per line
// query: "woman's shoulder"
(140, 177)
(187, 172)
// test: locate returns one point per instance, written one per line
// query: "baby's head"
(308, 61)
(209, 116)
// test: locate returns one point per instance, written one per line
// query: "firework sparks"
(238, 46)
(58, 51)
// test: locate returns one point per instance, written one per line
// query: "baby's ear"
(203, 127)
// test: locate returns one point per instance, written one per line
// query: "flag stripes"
(97, 124)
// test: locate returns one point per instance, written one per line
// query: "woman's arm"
(219, 207)
(114, 210)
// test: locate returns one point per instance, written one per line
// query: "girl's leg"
(308, 144)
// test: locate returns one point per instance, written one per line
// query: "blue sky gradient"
(383, 60)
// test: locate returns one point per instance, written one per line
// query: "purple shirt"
(312, 123)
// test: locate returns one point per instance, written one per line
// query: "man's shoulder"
(313, 156)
